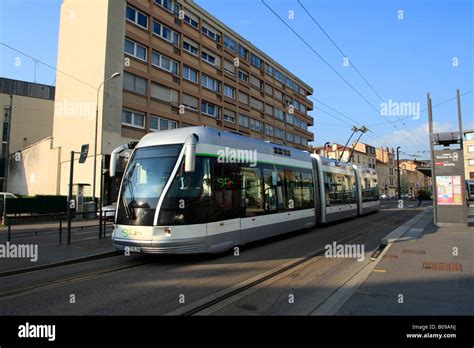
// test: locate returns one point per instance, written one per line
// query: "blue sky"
(403, 59)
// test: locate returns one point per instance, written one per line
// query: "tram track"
(83, 276)
(200, 306)
(67, 280)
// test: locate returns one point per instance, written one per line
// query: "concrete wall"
(34, 169)
(31, 120)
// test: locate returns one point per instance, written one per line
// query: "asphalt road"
(157, 285)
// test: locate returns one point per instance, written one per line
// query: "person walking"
(418, 199)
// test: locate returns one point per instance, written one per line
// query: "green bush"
(39, 204)
(425, 194)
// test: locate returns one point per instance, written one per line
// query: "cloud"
(417, 138)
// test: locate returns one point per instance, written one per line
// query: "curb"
(400, 231)
(61, 263)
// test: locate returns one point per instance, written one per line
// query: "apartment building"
(28, 110)
(386, 171)
(469, 154)
(364, 154)
(174, 65)
(414, 176)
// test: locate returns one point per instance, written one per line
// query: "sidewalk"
(49, 253)
(427, 271)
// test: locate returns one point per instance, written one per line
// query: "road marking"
(379, 270)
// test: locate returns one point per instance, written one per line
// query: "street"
(283, 275)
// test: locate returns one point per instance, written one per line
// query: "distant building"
(386, 171)
(367, 155)
(469, 154)
(28, 110)
(413, 176)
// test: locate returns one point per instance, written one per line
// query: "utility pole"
(398, 170)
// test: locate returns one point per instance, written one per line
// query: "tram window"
(227, 200)
(296, 189)
(370, 190)
(252, 191)
(188, 198)
(339, 189)
(270, 183)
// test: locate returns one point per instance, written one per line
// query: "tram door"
(227, 205)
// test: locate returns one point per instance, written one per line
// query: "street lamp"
(326, 144)
(398, 170)
(114, 75)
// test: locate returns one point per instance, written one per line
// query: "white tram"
(203, 190)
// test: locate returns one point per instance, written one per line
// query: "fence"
(35, 205)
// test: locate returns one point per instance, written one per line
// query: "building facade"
(28, 110)
(386, 171)
(469, 154)
(412, 179)
(179, 66)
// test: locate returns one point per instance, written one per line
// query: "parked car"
(383, 196)
(109, 211)
(406, 195)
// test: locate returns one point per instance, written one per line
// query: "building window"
(469, 136)
(164, 3)
(133, 119)
(134, 83)
(230, 43)
(229, 91)
(279, 114)
(289, 137)
(278, 95)
(255, 61)
(243, 52)
(190, 47)
(190, 102)
(164, 93)
(163, 62)
(243, 98)
(210, 83)
(229, 67)
(268, 89)
(471, 162)
(303, 108)
(243, 76)
(212, 33)
(135, 50)
(229, 116)
(269, 110)
(279, 133)
(256, 104)
(137, 17)
(210, 109)
(278, 75)
(470, 148)
(208, 58)
(269, 130)
(270, 70)
(256, 126)
(166, 33)
(255, 82)
(289, 119)
(190, 74)
(191, 19)
(160, 123)
(243, 121)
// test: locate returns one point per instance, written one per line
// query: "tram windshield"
(143, 182)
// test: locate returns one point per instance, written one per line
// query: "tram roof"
(213, 136)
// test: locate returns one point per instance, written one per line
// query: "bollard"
(60, 230)
(9, 231)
